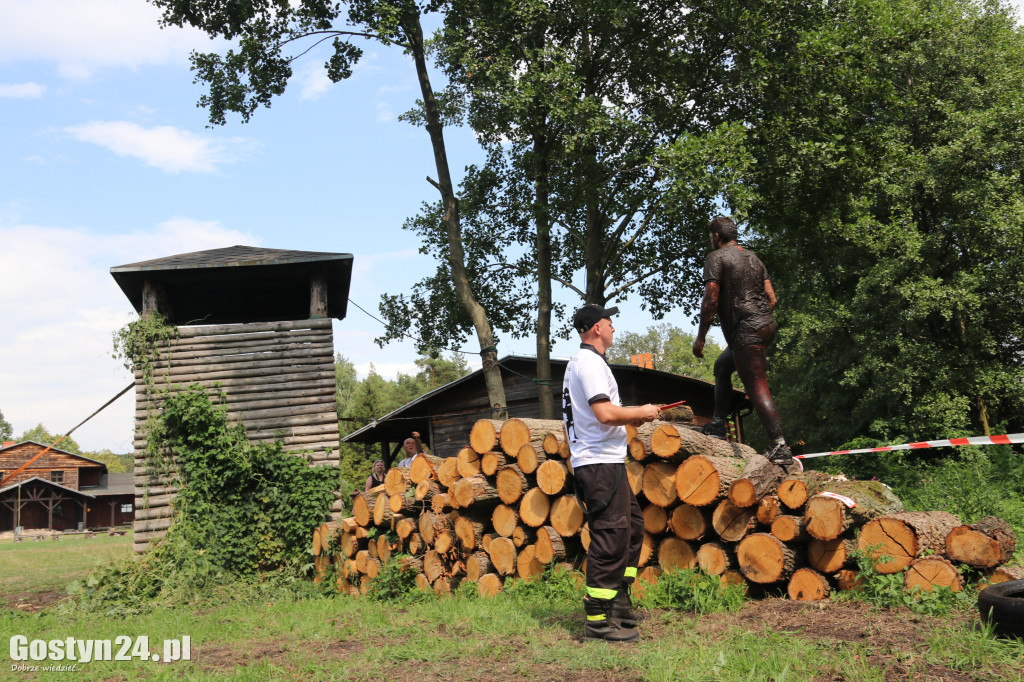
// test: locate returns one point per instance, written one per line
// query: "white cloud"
(84, 35)
(164, 147)
(60, 308)
(313, 80)
(384, 112)
(22, 90)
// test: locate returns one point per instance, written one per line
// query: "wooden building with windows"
(254, 326)
(445, 416)
(61, 491)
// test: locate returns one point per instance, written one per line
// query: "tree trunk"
(523, 536)
(759, 477)
(483, 437)
(470, 532)
(528, 567)
(553, 477)
(511, 483)
(670, 440)
(655, 519)
(765, 559)
(550, 546)
(985, 544)
(489, 585)
(689, 523)
(790, 529)
(448, 472)
(490, 462)
(635, 476)
(831, 556)
(566, 515)
(930, 572)
(504, 520)
(503, 555)
(475, 490)
(425, 490)
(702, 480)
(659, 485)
(529, 457)
(452, 222)
(806, 584)
(477, 565)
(534, 508)
(396, 481)
(848, 579)
(827, 517)
(732, 523)
(674, 553)
(904, 537)
(424, 467)
(767, 509)
(1005, 574)
(517, 432)
(715, 558)
(467, 462)
(795, 489)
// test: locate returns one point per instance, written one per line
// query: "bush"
(692, 590)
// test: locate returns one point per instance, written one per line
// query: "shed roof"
(116, 484)
(415, 415)
(36, 479)
(238, 284)
(43, 447)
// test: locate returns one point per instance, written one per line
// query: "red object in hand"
(671, 405)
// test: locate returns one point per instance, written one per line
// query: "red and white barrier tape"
(977, 440)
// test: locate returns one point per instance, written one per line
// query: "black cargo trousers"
(616, 527)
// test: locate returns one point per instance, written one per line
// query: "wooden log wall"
(731, 514)
(278, 378)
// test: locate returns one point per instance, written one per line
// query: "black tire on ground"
(1002, 605)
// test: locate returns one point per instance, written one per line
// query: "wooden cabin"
(255, 325)
(445, 416)
(61, 491)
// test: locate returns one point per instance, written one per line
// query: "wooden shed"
(60, 490)
(255, 324)
(445, 416)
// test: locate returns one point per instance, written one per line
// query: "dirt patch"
(31, 602)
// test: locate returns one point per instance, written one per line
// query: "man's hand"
(698, 347)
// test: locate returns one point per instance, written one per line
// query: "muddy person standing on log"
(737, 288)
(595, 423)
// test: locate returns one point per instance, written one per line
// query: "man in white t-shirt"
(595, 424)
(410, 453)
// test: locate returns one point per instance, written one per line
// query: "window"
(126, 507)
(56, 476)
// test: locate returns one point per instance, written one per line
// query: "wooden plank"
(216, 359)
(218, 329)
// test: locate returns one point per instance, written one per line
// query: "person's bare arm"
(616, 415)
(772, 301)
(708, 310)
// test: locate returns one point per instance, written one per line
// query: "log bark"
(534, 508)
(806, 584)
(448, 472)
(405, 503)
(528, 567)
(647, 548)
(930, 572)
(659, 484)
(759, 477)
(796, 489)
(790, 529)
(830, 556)
(361, 508)
(635, 476)
(732, 523)
(767, 509)
(477, 565)
(549, 546)
(489, 585)
(405, 528)
(827, 518)
(689, 523)
(553, 477)
(467, 462)
(504, 520)
(523, 536)
(484, 435)
(552, 442)
(518, 431)
(490, 462)
(469, 532)
(382, 513)
(503, 555)
(475, 491)
(655, 519)
(715, 558)
(415, 545)
(674, 553)
(396, 481)
(511, 483)
(1005, 574)
(433, 565)
(904, 537)
(529, 457)
(702, 480)
(566, 515)
(441, 503)
(985, 544)
(764, 559)
(424, 467)
(425, 490)
(678, 440)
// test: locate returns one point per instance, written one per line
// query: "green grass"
(49, 565)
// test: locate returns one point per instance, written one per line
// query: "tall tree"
(887, 194)
(40, 434)
(6, 430)
(576, 101)
(670, 349)
(272, 34)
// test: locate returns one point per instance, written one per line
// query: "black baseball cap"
(589, 315)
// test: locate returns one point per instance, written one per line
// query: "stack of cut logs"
(505, 508)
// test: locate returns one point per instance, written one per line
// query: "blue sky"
(105, 159)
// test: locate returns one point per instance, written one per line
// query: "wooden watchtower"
(255, 324)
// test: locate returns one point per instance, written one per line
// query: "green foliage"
(671, 351)
(886, 199)
(693, 590)
(137, 344)
(6, 430)
(249, 507)
(888, 591)
(116, 464)
(396, 582)
(555, 586)
(41, 435)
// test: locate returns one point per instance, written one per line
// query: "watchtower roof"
(238, 284)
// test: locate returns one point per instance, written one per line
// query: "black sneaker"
(779, 453)
(715, 428)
